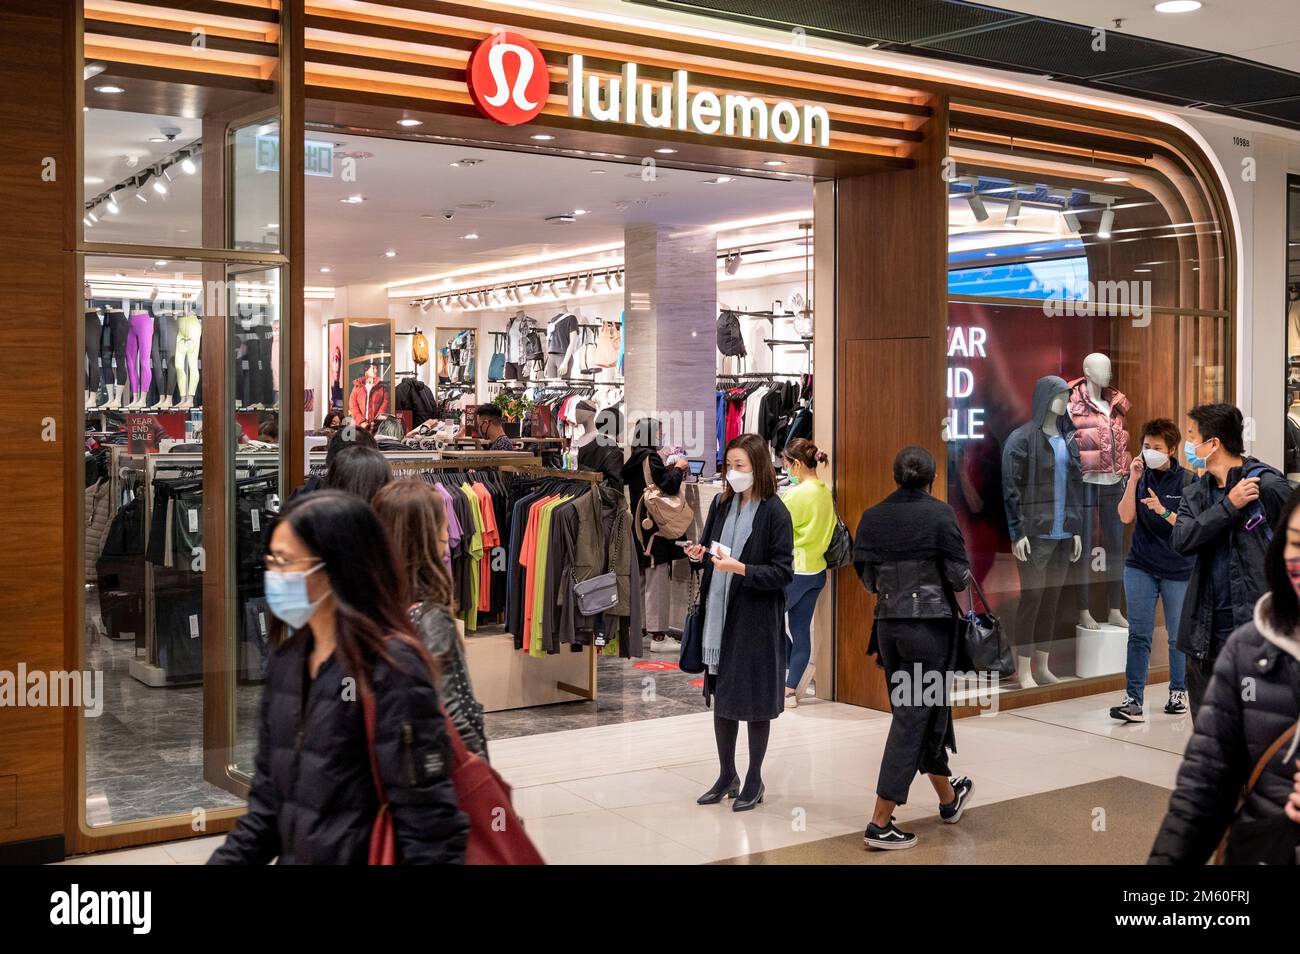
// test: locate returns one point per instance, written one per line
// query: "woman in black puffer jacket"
(331, 579)
(1252, 699)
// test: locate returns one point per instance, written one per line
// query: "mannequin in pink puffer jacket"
(1102, 437)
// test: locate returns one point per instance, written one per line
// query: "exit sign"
(318, 156)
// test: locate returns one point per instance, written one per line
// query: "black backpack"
(533, 348)
(730, 341)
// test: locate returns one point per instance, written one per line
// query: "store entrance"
(615, 310)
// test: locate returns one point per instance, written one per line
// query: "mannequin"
(1040, 481)
(517, 329)
(1098, 412)
(562, 340)
(595, 450)
(118, 326)
(94, 344)
(164, 342)
(189, 334)
(139, 344)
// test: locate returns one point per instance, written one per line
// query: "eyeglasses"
(277, 564)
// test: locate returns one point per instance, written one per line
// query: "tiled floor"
(624, 794)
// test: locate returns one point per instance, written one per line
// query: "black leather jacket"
(909, 551)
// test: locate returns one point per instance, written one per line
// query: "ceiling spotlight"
(579, 211)
(733, 263)
(324, 269)
(353, 199)
(118, 89)
(157, 138)
(426, 305)
(89, 224)
(665, 151)
(774, 163)
(597, 172)
(542, 137)
(718, 181)
(409, 122)
(591, 282)
(442, 303)
(188, 167)
(93, 218)
(609, 281)
(168, 174)
(160, 262)
(140, 195)
(1178, 6)
(470, 235)
(1013, 211)
(573, 285)
(1071, 220)
(618, 277)
(1107, 222)
(977, 206)
(113, 206)
(1116, 179)
(535, 289)
(391, 253)
(159, 187)
(554, 290)
(153, 293)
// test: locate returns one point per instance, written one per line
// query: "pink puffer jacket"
(1102, 438)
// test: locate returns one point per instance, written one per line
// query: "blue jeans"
(1141, 589)
(800, 601)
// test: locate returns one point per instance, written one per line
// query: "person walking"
(654, 552)
(1240, 734)
(1153, 571)
(812, 513)
(415, 517)
(345, 655)
(358, 470)
(909, 552)
(750, 539)
(1224, 523)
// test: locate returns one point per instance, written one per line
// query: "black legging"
(725, 731)
(94, 334)
(119, 326)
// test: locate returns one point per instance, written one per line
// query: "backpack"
(671, 514)
(533, 350)
(730, 341)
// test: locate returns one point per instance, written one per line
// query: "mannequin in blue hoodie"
(1041, 485)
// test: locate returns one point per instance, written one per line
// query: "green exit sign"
(318, 156)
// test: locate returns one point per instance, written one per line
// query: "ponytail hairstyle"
(803, 451)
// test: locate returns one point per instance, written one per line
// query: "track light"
(424, 305)
(89, 224)
(159, 187)
(554, 290)
(1071, 220)
(168, 174)
(573, 285)
(591, 282)
(113, 206)
(977, 206)
(609, 281)
(1107, 222)
(153, 294)
(618, 277)
(188, 167)
(93, 217)
(535, 290)
(1013, 211)
(733, 263)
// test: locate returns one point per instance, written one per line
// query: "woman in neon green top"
(812, 510)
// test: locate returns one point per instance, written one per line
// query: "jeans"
(800, 601)
(1142, 590)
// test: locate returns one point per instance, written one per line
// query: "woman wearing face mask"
(415, 517)
(750, 541)
(812, 512)
(1154, 572)
(1243, 736)
(346, 639)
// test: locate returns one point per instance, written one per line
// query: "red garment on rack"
(491, 540)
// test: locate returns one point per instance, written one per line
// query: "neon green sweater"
(813, 513)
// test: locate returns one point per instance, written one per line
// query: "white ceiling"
(1267, 31)
(409, 185)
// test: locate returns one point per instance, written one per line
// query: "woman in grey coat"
(742, 597)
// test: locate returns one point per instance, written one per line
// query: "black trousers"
(1041, 578)
(118, 327)
(94, 332)
(1199, 671)
(1101, 512)
(915, 654)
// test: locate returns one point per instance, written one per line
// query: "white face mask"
(1154, 459)
(740, 480)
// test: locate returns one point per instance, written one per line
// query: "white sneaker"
(791, 700)
(668, 644)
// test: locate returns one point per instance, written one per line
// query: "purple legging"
(139, 342)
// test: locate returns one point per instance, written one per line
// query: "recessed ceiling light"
(594, 172)
(665, 151)
(409, 122)
(1147, 270)
(157, 138)
(1116, 179)
(324, 269)
(579, 211)
(718, 181)
(161, 262)
(1178, 6)
(470, 235)
(774, 162)
(542, 137)
(94, 180)
(118, 89)
(353, 199)
(391, 253)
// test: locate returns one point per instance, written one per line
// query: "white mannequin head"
(1059, 403)
(1096, 368)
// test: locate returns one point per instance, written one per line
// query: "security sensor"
(171, 132)
(449, 214)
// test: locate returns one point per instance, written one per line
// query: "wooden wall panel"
(39, 428)
(891, 326)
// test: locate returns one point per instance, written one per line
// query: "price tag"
(255, 516)
(193, 517)
(261, 623)
(194, 627)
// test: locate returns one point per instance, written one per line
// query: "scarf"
(735, 534)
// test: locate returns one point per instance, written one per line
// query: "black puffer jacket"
(1231, 735)
(313, 799)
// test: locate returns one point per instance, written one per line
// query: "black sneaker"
(1128, 711)
(1177, 704)
(888, 838)
(962, 788)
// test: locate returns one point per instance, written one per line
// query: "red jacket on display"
(1102, 437)
(378, 404)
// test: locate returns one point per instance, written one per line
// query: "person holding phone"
(747, 551)
(1154, 572)
(1225, 524)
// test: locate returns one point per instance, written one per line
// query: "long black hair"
(1284, 607)
(369, 591)
(358, 470)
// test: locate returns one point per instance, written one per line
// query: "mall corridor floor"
(1060, 782)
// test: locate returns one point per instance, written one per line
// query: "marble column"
(670, 300)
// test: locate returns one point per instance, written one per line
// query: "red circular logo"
(508, 79)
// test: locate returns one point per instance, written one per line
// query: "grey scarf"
(735, 533)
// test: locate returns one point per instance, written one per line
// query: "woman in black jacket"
(910, 553)
(655, 553)
(347, 638)
(742, 602)
(1252, 701)
(415, 518)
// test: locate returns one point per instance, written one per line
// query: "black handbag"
(1274, 840)
(691, 659)
(983, 646)
(839, 552)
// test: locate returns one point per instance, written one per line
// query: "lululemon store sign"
(509, 82)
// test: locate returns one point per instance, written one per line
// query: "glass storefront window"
(1084, 301)
(1292, 422)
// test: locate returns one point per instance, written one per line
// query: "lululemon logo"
(508, 79)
